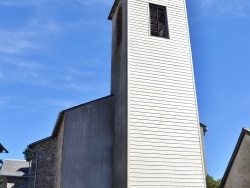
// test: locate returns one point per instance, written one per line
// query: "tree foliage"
(212, 183)
(28, 154)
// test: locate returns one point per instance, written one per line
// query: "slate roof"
(39, 141)
(15, 168)
(245, 131)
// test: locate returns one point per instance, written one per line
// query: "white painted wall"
(164, 147)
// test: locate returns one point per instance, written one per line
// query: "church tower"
(156, 127)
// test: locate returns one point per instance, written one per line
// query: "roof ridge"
(15, 160)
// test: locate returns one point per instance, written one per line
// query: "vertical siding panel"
(164, 147)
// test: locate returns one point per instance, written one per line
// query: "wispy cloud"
(4, 100)
(43, 23)
(91, 2)
(57, 78)
(236, 8)
(13, 42)
(27, 65)
(24, 2)
(38, 3)
(78, 72)
(24, 38)
(11, 3)
(59, 104)
(207, 3)
(24, 49)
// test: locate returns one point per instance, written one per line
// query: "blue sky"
(56, 54)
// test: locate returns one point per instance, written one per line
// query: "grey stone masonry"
(15, 182)
(79, 151)
(46, 164)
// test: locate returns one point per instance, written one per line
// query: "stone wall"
(15, 182)
(46, 167)
(59, 156)
(79, 153)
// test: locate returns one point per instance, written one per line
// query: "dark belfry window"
(158, 21)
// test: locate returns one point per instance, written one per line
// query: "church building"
(146, 133)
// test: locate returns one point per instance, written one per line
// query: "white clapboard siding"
(164, 148)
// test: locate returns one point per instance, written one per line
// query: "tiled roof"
(15, 168)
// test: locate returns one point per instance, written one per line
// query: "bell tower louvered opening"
(158, 21)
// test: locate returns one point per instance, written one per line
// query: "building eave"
(204, 128)
(61, 114)
(60, 118)
(54, 132)
(39, 141)
(113, 9)
(58, 124)
(3, 175)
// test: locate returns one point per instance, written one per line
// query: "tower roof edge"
(113, 9)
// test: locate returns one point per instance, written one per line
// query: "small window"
(158, 21)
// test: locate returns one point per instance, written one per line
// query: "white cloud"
(13, 42)
(29, 53)
(90, 2)
(10, 2)
(24, 2)
(235, 8)
(44, 79)
(4, 100)
(21, 71)
(25, 37)
(78, 71)
(206, 3)
(18, 63)
(82, 87)
(18, 70)
(39, 3)
(239, 8)
(42, 24)
(59, 104)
